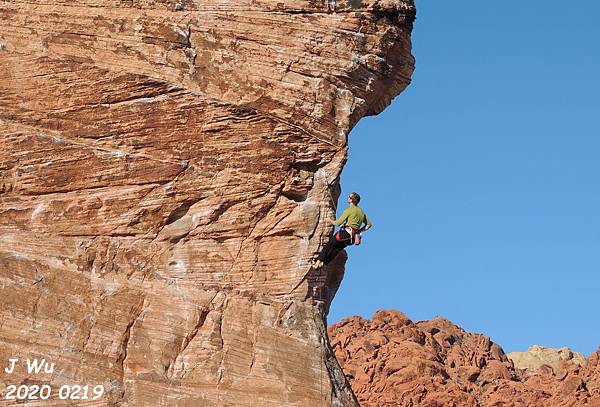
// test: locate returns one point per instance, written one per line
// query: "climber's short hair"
(355, 198)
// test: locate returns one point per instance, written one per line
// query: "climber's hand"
(331, 222)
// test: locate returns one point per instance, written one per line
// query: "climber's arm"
(340, 220)
(367, 226)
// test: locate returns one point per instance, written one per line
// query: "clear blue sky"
(483, 177)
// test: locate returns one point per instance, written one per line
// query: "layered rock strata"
(166, 170)
(391, 361)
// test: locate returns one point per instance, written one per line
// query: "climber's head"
(354, 198)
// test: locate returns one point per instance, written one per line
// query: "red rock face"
(166, 171)
(391, 362)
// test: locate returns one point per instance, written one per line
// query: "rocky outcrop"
(391, 361)
(166, 170)
(538, 356)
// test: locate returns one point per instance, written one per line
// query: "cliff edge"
(166, 169)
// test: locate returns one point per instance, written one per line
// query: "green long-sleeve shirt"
(354, 217)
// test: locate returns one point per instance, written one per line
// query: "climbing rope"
(322, 355)
(333, 201)
(323, 361)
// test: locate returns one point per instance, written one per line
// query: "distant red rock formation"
(391, 361)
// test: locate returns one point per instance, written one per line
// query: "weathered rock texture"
(166, 169)
(538, 356)
(391, 361)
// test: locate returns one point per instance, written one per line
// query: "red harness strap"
(350, 230)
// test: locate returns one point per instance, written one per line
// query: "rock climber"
(351, 226)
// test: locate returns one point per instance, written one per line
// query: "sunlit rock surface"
(538, 356)
(166, 169)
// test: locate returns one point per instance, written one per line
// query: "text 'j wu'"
(33, 366)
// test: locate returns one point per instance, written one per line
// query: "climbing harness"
(353, 235)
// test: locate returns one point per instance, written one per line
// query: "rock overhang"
(168, 167)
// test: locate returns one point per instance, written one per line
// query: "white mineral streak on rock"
(38, 209)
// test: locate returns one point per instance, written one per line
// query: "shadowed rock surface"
(391, 361)
(166, 169)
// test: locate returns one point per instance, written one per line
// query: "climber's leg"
(338, 247)
(334, 246)
(327, 250)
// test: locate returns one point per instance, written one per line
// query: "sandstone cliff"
(391, 361)
(166, 168)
